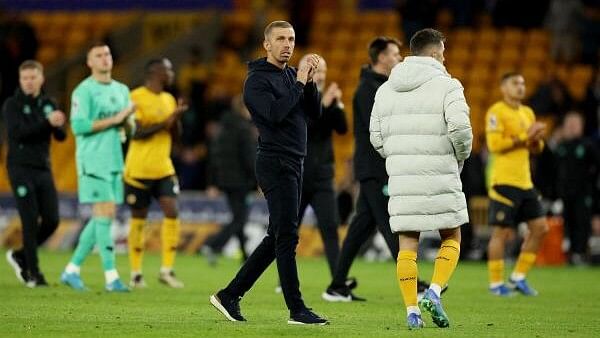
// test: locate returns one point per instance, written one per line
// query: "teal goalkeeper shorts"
(96, 189)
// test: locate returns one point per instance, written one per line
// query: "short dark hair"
(508, 75)
(96, 44)
(425, 38)
(31, 64)
(379, 45)
(149, 66)
(276, 24)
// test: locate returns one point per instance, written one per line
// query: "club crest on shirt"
(26, 109)
(493, 122)
(48, 109)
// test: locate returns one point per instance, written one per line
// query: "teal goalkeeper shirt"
(98, 154)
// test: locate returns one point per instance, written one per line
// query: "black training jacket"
(28, 129)
(367, 162)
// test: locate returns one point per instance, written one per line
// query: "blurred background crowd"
(553, 43)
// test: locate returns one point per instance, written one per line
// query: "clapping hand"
(57, 118)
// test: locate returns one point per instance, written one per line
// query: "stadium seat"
(509, 56)
(484, 54)
(462, 37)
(538, 38)
(511, 37)
(487, 37)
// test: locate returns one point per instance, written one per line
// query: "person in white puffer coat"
(420, 125)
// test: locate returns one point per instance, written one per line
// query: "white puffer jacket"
(420, 124)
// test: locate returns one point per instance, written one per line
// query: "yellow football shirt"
(150, 158)
(510, 164)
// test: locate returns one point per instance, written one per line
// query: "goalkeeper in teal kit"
(100, 111)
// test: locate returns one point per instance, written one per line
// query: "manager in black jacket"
(31, 119)
(279, 100)
(317, 190)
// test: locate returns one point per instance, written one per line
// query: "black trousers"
(236, 199)
(371, 214)
(37, 204)
(578, 218)
(321, 197)
(280, 179)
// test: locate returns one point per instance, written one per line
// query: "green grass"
(568, 305)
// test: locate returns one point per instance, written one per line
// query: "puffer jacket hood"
(414, 71)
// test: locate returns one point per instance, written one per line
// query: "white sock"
(111, 276)
(436, 289)
(72, 268)
(164, 270)
(412, 309)
(495, 285)
(517, 276)
(136, 273)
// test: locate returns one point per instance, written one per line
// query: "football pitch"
(568, 305)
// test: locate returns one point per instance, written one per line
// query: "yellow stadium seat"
(47, 54)
(581, 73)
(478, 76)
(484, 54)
(538, 38)
(463, 37)
(76, 37)
(459, 56)
(38, 19)
(324, 18)
(476, 93)
(487, 36)
(532, 74)
(509, 55)
(512, 37)
(536, 55)
(459, 72)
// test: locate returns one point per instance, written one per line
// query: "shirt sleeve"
(497, 141)
(139, 113)
(81, 122)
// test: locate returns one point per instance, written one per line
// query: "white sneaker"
(169, 279)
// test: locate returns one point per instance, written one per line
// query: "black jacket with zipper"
(368, 163)
(29, 130)
(280, 107)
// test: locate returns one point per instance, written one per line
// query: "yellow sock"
(169, 234)
(496, 272)
(524, 264)
(135, 242)
(407, 271)
(445, 262)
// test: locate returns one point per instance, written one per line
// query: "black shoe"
(306, 317)
(228, 306)
(18, 264)
(351, 283)
(342, 294)
(36, 280)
